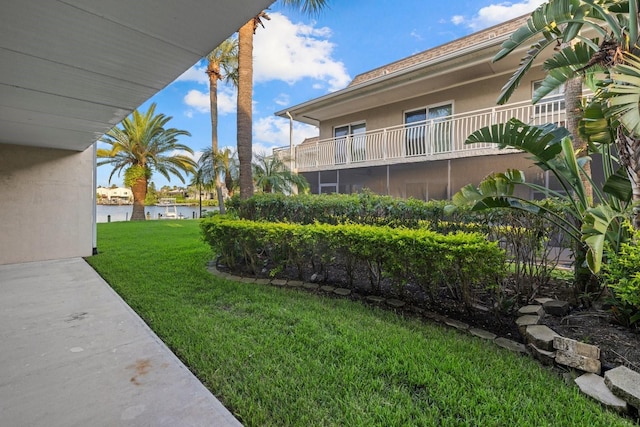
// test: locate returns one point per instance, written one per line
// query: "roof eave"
(383, 82)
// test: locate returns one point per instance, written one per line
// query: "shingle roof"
(427, 55)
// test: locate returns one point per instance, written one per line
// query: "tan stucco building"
(400, 129)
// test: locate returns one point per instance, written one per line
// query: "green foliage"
(464, 262)
(362, 208)
(588, 224)
(272, 175)
(622, 276)
(271, 355)
(135, 173)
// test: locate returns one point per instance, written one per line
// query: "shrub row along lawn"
(283, 357)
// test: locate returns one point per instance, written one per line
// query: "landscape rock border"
(618, 390)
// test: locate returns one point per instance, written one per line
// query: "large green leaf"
(596, 126)
(543, 141)
(619, 186)
(562, 66)
(623, 93)
(554, 22)
(596, 225)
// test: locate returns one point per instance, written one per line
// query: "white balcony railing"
(435, 139)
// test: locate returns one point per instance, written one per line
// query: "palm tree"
(141, 146)
(245, 88)
(222, 65)
(229, 168)
(200, 181)
(223, 163)
(610, 63)
(272, 175)
(611, 67)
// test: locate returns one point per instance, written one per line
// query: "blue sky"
(298, 58)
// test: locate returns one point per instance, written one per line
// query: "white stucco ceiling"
(70, 70)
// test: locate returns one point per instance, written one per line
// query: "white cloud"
(197, 73)
(199, 101)
(496, 13)
(270, 132)
(457, 19)
(282, 99)
(415, 34)
(291, 52)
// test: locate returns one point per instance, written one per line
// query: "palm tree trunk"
(245, 99)
(629, 153)
(213, 70)
(139, 190)
(573, 108)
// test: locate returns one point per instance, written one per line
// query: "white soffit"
(70, 70)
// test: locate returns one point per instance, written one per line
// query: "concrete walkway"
(72, 353)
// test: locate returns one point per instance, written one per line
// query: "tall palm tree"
(141, 146)
(245, 88)
(272, 175)
(222, 65)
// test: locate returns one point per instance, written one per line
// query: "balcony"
(435, 139)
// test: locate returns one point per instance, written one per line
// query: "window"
(351, 143)
(440, 117)
(415, 124)
(552, 103)
(431, 125)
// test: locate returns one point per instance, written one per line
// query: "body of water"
(123, 212)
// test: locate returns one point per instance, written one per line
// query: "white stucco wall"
(46, 203)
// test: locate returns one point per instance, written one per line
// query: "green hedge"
(463, 262)
(361, 208)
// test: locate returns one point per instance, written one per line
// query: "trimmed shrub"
(463, 262)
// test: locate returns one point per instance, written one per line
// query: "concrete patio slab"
(74, 354)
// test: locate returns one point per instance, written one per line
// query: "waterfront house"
(114, 195)
(400, 129)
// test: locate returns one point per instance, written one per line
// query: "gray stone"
(263, 281)
(396, 303)
(510, 345)
(342, 291)
(624, 383)
(535, 310)
(545, 357)
(594, 386)
(315, 277)
(278, 282)
(556, 307)
(543, 300)
(583, 363)
(310, 286)
(434, 316)
(569, 345)
(480, 307)
(327, 288)
(481, 333)
(295, 283)
(375, 299)
(247, 280)
(456, 324)
(541, 336)
(523, 321)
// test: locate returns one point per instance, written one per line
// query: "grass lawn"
(283, 357)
